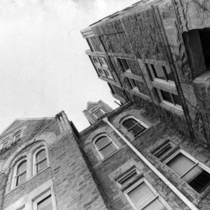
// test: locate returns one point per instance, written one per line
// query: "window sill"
(164, 85)
(129, 74)
(172, 108)
(28, 180)
(136, 92)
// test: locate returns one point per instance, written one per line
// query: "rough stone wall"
(144, 36)
(73, 184)
(113, 37)
(104, 168)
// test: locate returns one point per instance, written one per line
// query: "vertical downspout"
(158, 173)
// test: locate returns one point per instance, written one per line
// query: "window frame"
(197, 162)
(173, 104)
(110, 142)
(136, 184)
(34, 160)
(41, 197)
(138, 122)
(6, 140)
(14, 176)
(150, 67)
(17, 133)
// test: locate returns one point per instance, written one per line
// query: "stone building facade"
(152, 152)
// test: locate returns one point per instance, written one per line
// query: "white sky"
(43, 65)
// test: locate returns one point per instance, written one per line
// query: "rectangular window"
(123, 64)
(142, 196)
(163, 149)
(44, 202)
(190, 171)
(157, 71)
(168, 97)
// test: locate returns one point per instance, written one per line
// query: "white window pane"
(45, 204)
(41, 155)
(102, 142)
(180, 164)
(155, 205)
(41, 165)
(21, 168)
(141, 195)
(107, 150)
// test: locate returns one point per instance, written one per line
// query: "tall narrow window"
(190, 171)
(104, 146)
(143, 197)
(133, 126)
(40, 160)
(21, 173)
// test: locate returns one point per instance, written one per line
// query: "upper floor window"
(123, 64)
(40, 160)
(32, 164)
(17, 135)
(190, 170)
(104, 146)
(169, 98)
(157, 71)
(5, 143)
(134, 126)
(102, 67)
(20, 175)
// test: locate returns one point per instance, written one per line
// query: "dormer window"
(5, 143)
(17, 135)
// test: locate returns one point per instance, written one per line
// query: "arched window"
(20, 173)
(133, 126)
(104, 146)
(40, 160)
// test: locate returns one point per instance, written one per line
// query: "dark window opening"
(200, 182)
(205, 42)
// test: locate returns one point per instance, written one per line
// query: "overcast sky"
(43, 65)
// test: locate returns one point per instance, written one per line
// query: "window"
(162, 149)
(132, 83)
(5, 143)
(190, 170)
(104, 146)
(99, 113)
(133, 126)
(162, 72)
(20, 173)
(44, 202)
(141, 195)
(169, 98)
(17, 135)
(123, 64)
(204, 36)
(40, 160)
(102, 67)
